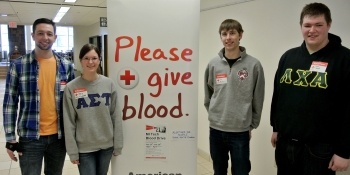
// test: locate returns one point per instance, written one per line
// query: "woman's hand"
(75, 162)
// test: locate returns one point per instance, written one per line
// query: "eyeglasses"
(94, 59)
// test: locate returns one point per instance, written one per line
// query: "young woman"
(92, 117)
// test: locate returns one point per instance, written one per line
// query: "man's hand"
(274, 139)
(338, 163)
(11, 147)
(12, 155)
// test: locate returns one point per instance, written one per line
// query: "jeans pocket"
(320, 150)
(27, 144)
(24, 140)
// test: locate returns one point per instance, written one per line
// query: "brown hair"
(44, 21)
(87, 48)
(316, 9)
(229, 24)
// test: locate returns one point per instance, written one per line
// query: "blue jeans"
(296, 157)
(50, 148)
(235, 144)
(95, 163)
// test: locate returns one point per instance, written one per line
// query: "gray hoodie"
(234, 96)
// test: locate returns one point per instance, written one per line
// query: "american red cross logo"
(127, 77)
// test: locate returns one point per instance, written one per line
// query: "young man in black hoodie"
(310, 110)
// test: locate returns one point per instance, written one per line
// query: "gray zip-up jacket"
(234, 96)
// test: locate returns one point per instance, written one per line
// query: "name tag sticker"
(221, 78)
(80, 93)
(63, 85)
(318, 66)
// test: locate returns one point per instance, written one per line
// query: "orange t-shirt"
(46, 82)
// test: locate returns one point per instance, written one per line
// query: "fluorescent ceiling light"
(70, 1)
(60, 14)
(210, 5)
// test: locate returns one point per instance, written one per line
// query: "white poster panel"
(153, 58)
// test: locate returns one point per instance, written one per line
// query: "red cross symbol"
(127, 77)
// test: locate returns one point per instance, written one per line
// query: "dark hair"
(45, 21)
(316, 9)
(229, 24)
(87, 48)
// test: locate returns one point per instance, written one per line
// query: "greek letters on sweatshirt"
(92, 117)
(312, 104)
(234, 96)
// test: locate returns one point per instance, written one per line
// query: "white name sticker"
(318, 66)
(80, 93)
(221, 78)
(63, 85)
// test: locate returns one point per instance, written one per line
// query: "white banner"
(153, 58)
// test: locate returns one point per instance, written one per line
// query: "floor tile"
(5, 165)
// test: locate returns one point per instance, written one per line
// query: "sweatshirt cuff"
(342, 151)
(117, 151)
(73, 157)
(274, 129)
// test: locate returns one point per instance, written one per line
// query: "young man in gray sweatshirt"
(234, 95)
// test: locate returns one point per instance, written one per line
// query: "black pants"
(298, 158)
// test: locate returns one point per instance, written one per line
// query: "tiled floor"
(8, 167)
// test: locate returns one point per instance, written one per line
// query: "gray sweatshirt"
(234, 96)
(92, 117)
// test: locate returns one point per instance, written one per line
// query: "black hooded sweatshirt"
(314, 105)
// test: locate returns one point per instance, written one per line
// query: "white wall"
(81, 37)
(270, 28)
